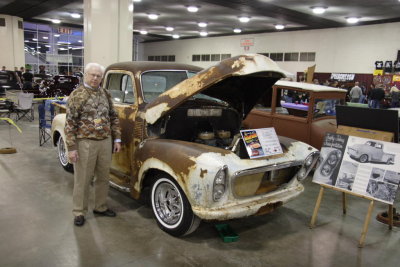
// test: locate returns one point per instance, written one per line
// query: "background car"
(44, 85)
(301, 111)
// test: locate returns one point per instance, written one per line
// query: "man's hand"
(73, 156)
(117, 147)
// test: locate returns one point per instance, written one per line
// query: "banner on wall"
(343, 77)
(378, 72)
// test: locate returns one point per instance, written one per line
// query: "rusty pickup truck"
(181, 142)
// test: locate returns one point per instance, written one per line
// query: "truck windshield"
(326, 107)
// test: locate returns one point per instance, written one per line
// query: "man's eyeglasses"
(95, 75)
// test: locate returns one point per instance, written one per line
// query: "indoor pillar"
(12, 42)
(108, 31)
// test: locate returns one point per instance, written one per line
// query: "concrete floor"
(36, 225)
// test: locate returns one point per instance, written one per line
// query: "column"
(108, 31)
(12, 42)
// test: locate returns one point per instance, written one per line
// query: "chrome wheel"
(62, 155)
(171, 208)
(167, 203)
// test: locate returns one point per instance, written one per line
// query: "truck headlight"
(219, 186)
(308, 164)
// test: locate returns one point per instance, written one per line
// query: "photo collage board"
(363, 166)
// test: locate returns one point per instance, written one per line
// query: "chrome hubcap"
(168, 203)
(62, 155)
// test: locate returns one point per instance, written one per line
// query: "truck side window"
(121, 88)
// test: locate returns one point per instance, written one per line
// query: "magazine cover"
(261, 142)
(367, 167)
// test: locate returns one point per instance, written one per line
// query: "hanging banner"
(343, 77)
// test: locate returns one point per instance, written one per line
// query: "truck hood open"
(241, 81)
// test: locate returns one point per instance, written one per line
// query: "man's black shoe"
(107, 212)
(79, 220)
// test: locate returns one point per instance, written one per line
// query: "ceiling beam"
(280, 13)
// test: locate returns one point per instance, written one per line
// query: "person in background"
(27, 76)
(394, 94)
(19, 75)
(376, 96)
(42, 69)
(355, 93)
(3, 68)
(315, 81)
(91, 126)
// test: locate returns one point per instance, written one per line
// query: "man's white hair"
(94, 66)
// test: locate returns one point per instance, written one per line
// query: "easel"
(378, 135)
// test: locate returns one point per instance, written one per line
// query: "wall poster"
(363, 166)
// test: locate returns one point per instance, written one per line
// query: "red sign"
(247, 42)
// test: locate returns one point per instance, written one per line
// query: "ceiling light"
(34, 39)
(203, 33)
(244, 19)
(47, 45)
(202, 24)
(130, 8)
(318, 9)
(237, 30)
(56, 35)
(279, 26)
(56, 21)
(26, 41)
(45, 37)
(137, 0)
(169, 29)
(192, 9)
(175, 36)
(143, 32)
(79, 41)
(153, 16)
(352, 19)
(75, 15)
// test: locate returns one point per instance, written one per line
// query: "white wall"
(346, 50)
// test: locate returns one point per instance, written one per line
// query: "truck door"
(124, 95)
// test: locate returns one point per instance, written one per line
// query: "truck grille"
(254, 184)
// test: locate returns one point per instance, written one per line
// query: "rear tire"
(62, 155)
(171, 208)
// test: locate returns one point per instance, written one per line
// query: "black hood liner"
(242, 92)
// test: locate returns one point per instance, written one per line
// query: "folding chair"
(45, 119)
(24, 109)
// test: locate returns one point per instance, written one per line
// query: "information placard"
(261, 142)
(363, 166)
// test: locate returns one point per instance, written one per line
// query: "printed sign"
(261, 142)
(247, 42)
(363, 166)
(344, 77)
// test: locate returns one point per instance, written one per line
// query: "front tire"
(62, 155)
(171, 208)
(363, 158)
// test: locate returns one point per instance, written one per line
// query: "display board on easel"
(361, 167)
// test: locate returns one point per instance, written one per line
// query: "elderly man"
(91, 126)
